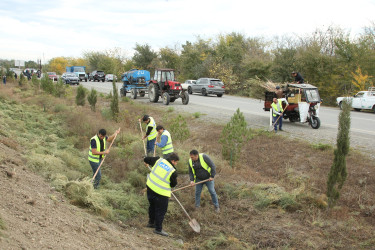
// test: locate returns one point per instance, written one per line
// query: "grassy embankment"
(273, 197)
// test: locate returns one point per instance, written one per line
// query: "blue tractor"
(135, 82)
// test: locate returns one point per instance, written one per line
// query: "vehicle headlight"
(316, 107)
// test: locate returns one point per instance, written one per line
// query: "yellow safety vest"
(168, 148)
(159, 178)
(92, 157)
(153, 133)
(278, 107)
(203, 164)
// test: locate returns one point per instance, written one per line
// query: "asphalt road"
(362, 135)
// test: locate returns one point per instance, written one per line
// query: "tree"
(143, 56)
(233, 135)
(58, 65)
(114, 103)
(81, 96)
(92, 98)
(338, 173)
(360, 81)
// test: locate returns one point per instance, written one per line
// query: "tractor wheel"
(122, 92)
(315, 122)
(142, 93)
(185, 98)
(153, 92)
(204, 92)
(133, 94)
(190, 91)
(166, 98)
(86, 79)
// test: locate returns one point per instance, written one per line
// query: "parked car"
(187, 85)
(362, 100)
(97, 75)
(208, 86)
(70, 78)
(109, 77)
(52, 76)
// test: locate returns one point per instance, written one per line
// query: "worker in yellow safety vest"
(162, 178)
(150, 133)
(165, 141)
(201, 168)
(98, 150)
(277, 113)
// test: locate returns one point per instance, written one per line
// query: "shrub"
(22, 80)
(59, 89)
(321, 146)
(81, 95)
(35, 81)
(60, 108)
(114, 103)
(136, 179)
(170, 109)
(338, 173)
(234, 134)
(197, 114)
(47, 84)
(92, 98)
(178, 127)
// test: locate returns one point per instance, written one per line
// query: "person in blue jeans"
(151, 133)
(201, 168)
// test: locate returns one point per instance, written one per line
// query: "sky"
(39, 29)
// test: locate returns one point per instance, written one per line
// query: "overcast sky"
(38, 29)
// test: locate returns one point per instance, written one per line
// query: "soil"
(38, 217)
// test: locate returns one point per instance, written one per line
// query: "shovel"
(189, 185)
(193, 222)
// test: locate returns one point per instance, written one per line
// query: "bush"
(114, 103)
(59, 89)
(179, 129)
(136, 179)
(81, 96)
(92, 99)
(47, 84)
(234, 134)
(35, 81)
(22, 80)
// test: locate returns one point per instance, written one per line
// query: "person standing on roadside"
(165, 141)
(201, 168)
(150, 133)
(277, 113)
(98, 150)
(4, 79)
(162, 178)
(15, 76)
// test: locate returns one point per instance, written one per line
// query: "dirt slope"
(37, 217)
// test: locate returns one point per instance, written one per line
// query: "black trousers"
(157, 209)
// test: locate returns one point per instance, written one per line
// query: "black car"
(97, 75)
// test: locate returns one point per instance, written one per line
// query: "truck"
(362, 100)
(80, 72)
(135, 82)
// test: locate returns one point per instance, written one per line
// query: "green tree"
(59, 89)
(92, 98)
(22, 80)
(179, 128)
(338, 173)
(143, 56)
(47, 84)
(81, 96)
(234, 134)
(114, 103)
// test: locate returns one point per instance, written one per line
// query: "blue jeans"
(280, 122)
(211, 188)
(151, 146)
(94, 166)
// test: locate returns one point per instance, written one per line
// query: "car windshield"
(216, 83)
(360, 94)
(51, 73)
(193, 82)
(79, 69)
(100, 72)
(312, 95)
(71, 75)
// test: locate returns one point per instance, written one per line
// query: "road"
(362, 135)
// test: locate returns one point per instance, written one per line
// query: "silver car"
(209, 86)
(70, 78)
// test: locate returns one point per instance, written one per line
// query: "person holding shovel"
(150, 133)
(277, 112)
(162, 178)
(201, 168)
(98, 150)
(165, 141)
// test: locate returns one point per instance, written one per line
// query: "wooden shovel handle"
(190, 185)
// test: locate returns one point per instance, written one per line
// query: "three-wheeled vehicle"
(304, 103)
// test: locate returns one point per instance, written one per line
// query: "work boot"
(151, 225)
(163, 233)
(217, 209)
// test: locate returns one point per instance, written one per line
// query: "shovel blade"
(195, 225)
